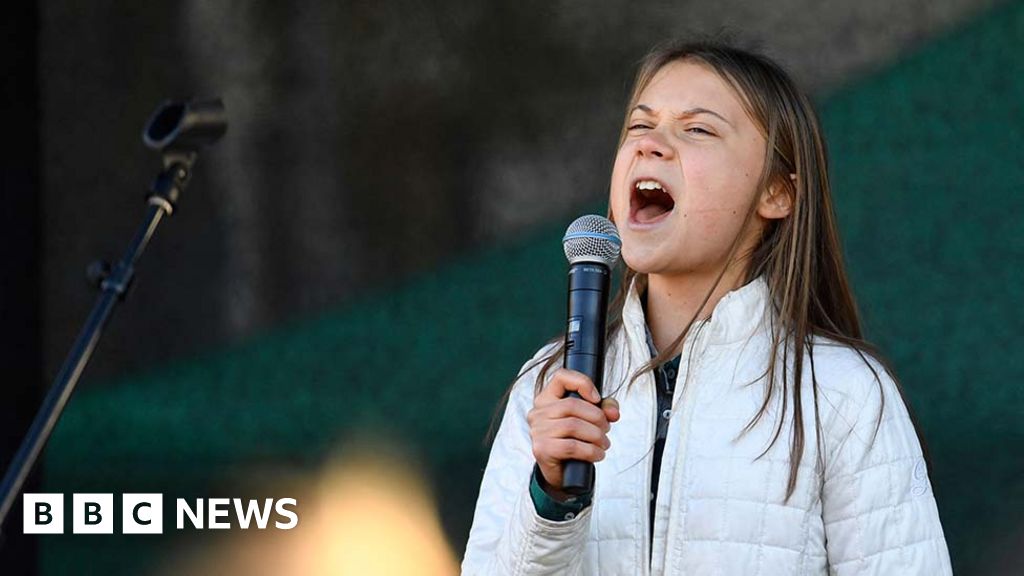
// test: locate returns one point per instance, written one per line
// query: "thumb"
(610, 406)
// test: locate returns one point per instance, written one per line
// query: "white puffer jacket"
(720, 511)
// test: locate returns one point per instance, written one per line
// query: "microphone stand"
(178, 130)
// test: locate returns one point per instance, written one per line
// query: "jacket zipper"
(684, 410)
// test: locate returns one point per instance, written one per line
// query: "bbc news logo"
(143, 513)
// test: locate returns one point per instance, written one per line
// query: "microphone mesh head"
(592, 238)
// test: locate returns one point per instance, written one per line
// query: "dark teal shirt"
(551, 509)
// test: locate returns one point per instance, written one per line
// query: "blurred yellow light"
(366, 515)
(374, 517)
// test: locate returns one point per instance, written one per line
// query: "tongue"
(650, 212)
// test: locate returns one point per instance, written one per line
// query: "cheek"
(621, 164)
(702, 192)
(618, 195)
(720, 185)
(716, 205)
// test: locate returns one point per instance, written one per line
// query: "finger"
(574, 408)
(541, 414)
(610, 407)
(561, 449)
(564, 381)
(572, 428)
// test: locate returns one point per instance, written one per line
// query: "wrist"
(549, 506)
(556, 494)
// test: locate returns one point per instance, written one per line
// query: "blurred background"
(365, 260)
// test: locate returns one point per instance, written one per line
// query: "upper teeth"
(649, 185)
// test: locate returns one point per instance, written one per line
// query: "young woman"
(747, 428)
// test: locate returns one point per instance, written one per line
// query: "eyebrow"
(684, 113)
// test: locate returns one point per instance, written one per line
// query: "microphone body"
(589, 283)
(592, 247)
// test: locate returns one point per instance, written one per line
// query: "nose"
(654, 145)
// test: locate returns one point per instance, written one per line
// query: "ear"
(777, 200)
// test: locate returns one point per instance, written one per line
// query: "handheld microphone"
(592, 247)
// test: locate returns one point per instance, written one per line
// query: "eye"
(639, 127)
(699, 130)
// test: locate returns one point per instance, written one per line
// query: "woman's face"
(686, 173)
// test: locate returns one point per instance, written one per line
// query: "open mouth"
(649, 201)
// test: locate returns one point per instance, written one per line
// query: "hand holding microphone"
(567, 425)
(568, 429)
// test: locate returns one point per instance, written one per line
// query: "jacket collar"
(735, 318)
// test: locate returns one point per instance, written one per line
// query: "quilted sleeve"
(508, 537)
(878, 508)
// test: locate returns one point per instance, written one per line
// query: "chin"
(642, 263)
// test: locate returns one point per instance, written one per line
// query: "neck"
(673, 300)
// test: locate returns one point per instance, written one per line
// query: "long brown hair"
(798, 256)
